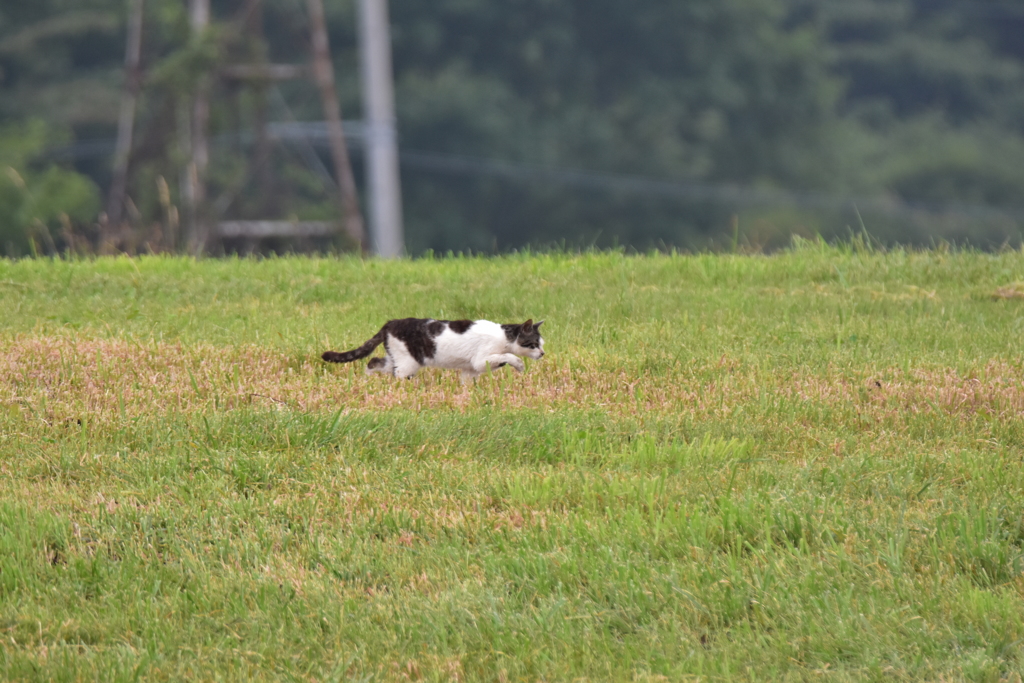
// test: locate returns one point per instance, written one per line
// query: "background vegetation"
(726, 467)
(769, 117)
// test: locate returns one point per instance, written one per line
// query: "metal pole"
(323, 73)
(381, 140)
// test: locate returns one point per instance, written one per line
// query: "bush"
(38, 199)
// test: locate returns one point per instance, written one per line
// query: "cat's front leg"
(498, 359)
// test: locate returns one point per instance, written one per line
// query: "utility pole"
(381, 139)
(323, 74)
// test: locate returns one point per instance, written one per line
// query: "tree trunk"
(199, 17)
(125, 122)
(323, 73)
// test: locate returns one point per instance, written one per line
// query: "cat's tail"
(355, 354)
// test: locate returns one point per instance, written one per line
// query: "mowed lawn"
(805, 466)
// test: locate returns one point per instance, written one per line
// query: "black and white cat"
(466, 345)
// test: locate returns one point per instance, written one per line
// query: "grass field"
(799, 467)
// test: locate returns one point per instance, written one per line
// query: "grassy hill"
(726, 467)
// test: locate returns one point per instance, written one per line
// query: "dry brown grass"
(774, 466)
(1012, 291)
(62, 379)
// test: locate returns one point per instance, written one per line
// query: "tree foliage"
(919, 101)
(38, 203)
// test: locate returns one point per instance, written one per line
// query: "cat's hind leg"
(381, 365)
(406, 368)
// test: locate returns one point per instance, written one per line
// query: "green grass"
(803, 466)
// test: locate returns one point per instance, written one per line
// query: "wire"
(975, 7)
(307, 134)
(718, 193)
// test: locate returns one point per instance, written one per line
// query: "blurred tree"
(711, 90)
(936, 88)
(39, 203)
(902, 58)
(920, 100)
(60, 60)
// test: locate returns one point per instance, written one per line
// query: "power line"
(734, 195)
(314, 133)
(994, 10)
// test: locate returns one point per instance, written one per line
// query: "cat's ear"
(528, 325)
(538, 324)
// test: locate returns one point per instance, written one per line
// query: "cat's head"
(528, 341)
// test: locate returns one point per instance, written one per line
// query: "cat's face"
(528, 342)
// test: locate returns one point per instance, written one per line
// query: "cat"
(466, 345)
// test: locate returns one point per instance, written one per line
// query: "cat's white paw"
(519, 365)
